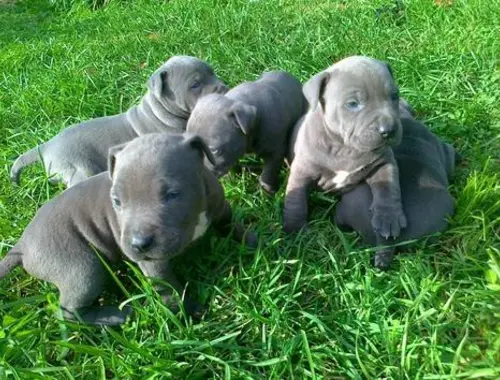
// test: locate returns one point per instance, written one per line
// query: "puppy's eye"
(395, 96)
(116, 202)
(195, 85)
(216, 151)
(353, 105)
(169, 195)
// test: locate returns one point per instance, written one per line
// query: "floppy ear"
(112, 152)
(313, 88)
(158, 83)
(195, 141)
(245, 116)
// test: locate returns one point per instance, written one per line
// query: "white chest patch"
(340, 177)
(202, 225)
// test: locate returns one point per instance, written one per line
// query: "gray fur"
(156, 193)
(80, 151)
(426, 166)
(346, 137)
(254, 117)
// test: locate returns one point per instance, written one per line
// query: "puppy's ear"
(158, 84)
(112, 152)
(314, 87)
(195, 141)
(245, 116)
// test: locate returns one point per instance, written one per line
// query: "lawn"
(304, 306)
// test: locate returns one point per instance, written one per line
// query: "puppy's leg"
(353, 212)
(388, 216)
(269, 179)
(78, 293)
(162, 270)
(223, 224)
(295, 209)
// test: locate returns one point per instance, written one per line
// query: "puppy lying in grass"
(156, 198)
(345, 138)
(80, 151)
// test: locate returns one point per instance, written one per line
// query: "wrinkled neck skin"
(328, 147)
(152, 115)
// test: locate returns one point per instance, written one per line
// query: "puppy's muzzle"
(142, 243)
(387, 131)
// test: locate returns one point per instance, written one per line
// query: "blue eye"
(353, 105)
(195, 85)
(395, 96)
(171, 195)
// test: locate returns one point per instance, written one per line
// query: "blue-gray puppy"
(346, 137)
(254, 117)
(426, 165)
(156, 199)
(80, 151)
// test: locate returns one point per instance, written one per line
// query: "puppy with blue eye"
(345, 138)
(253, 117)
(80, 151)
(156, 199)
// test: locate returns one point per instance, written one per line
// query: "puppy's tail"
(23, 160)
(9, 262)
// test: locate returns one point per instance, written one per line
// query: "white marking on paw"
(202, 225)
(340, 177)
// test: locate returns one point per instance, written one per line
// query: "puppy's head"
(181, 81)
(158, 193)
(225, 125)
(359, 100)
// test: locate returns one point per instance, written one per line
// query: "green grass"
(308, 306)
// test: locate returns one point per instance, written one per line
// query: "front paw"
(291, 226)
(270, 187)
(388, 220)
(383, 258)
(192, 308)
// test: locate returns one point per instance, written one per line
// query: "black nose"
(387, 130)
(142, 242)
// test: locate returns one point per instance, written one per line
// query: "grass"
(308, 306)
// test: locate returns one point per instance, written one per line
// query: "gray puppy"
(426, 166)
(254, 117)
(80, 151)
(346, 137)
(156, 199)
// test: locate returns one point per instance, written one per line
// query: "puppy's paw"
(383, 258)
(290, 227)
(269, 187)
(388, 220)
(251, 240)
(194, 309)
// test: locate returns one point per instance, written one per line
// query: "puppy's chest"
(337, 180)
(201, 226)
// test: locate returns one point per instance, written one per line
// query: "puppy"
(254, 117)
(426, 167)
(155, 200)
(346, 137)
(80, 151)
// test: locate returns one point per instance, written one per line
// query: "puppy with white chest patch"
(254, 117)
(426, 167)
(80, 151)
(157, 198)
(346, 137)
